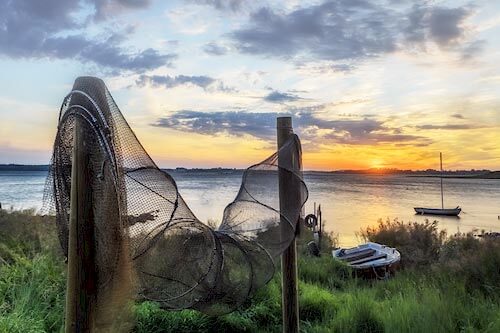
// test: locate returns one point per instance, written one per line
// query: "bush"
(476, 261)
(463, 257)
(418, 243)
(458, 246)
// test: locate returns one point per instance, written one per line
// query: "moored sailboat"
(439, 211)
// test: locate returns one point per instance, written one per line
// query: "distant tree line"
(23, 167)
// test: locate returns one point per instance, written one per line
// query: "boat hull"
(371, 258)
(438, 211)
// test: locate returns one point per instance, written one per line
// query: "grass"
(452, 285)
(32, 277)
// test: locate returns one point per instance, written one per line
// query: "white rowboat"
(369, 256)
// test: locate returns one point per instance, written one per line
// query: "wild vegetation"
(446, 284)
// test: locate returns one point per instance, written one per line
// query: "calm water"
(349, 202)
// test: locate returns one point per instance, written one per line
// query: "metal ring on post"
(311, 221)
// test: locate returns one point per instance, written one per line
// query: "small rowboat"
(438, 211)
(370, 259)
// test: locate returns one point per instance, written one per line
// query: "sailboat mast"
(441, 165)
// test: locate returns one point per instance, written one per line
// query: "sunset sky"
(368, 83)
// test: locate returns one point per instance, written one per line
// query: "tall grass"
(31, 274)
(454, 289)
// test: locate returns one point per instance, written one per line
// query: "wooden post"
(81, 279)
(288, 195)
(441, 167)
(320, 222)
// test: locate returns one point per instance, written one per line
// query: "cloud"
(237, 123)
(472, 49)
(341, 30)
(168, 82)
(233, 5)
(324, 67)
(448, 127)
(190, 20)
(442, 25)
(458, 116)
(24, 24)
(445, 24)
(341, 67)
(109, 8)
(215, 49)
(280, 97)
(48, 29)
(335, 30)
(306, 123)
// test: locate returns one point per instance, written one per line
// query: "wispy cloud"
(449, 127)
(166, 81)
(190, 20)
(233, 5)
(458, 116)
(360, 131)
(108, 8)
(214, 48)
(237, 123)
(472, 49)
(281, 97)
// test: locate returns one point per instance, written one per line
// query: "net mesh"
(179, 261)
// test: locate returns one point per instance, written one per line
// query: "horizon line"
(372, 170)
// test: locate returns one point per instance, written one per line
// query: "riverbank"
(446, 284)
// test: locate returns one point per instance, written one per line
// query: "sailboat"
(439, 211)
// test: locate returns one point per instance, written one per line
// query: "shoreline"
(495, 176)
(483, 174)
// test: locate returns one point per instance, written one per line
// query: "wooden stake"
(289, 196)
(82, 275)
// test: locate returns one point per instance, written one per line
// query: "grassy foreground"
(447, 284)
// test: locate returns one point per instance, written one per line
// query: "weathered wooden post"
(82, 276)
(289, 196)
(320, 221)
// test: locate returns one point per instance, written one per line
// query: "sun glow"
(377, 164)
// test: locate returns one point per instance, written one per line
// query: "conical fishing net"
(180, 262)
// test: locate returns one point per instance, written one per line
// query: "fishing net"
(179, 261)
